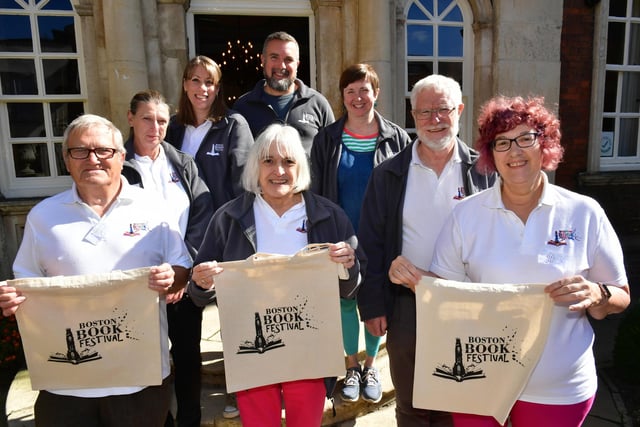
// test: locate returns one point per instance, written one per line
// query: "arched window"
(41, 91)
(439, 39)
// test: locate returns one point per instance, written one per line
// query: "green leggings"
(351, 330)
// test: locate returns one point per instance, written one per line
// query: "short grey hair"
(289, 145)
(88, 121)
(439, 82)
(281, 36)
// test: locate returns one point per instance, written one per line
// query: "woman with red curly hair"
(526, 230)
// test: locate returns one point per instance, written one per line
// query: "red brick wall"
(576, 56)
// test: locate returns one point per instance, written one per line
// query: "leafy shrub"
(11, 355)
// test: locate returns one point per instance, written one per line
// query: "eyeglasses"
(101, 153)
(523, 141)
(440, 113)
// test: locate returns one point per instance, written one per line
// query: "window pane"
(63, 113)
(608, 137)
(25, 120)
(416, 13)
(635, 9)
(61, 76)
(615, 45)
(630, 102)
(61, 169)
(628, 142)
(419, 40)
(57, 34)
(408, 119)
(450, 41)
(9, 4)
(18, 77)
(634, 41)
(31, 160)
(416, 71)
(58, 5)
(455, 15)
(451, 69)
(15, 34)
(618, 8)
(610, 91)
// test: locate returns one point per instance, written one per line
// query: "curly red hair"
(501, 114)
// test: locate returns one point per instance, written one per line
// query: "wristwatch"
(606, 294)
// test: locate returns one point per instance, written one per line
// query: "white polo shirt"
(428, 201)
(566, 234)
(275, 234)
(160, 176)
(63, 236)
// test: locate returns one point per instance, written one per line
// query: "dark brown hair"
(185, 114)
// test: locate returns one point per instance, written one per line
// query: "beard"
(438, 144)
(279, 85)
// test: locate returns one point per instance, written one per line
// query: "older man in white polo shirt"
(99, 225)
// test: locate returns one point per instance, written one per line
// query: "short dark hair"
(278, 35)
(357, 72)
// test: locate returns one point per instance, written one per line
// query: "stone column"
(96, 93)
(125, 55)
(329, 42)
(374, 47)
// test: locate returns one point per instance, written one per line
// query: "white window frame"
(10, 185)
(466, 120)
(298, 8)
(597, 163)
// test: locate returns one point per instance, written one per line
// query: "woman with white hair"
(277, 214)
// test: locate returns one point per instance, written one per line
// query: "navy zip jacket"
(380, 230)
(309, 112)
(231, 236)
(327, 149)
(221, 155)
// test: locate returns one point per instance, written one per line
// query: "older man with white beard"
(406, 203)
(281, 96)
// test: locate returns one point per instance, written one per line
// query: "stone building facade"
(557, 49)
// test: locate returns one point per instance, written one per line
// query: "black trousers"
(148, 408)
(185, 332)
(401, 347)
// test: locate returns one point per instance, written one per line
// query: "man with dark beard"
(281, 96)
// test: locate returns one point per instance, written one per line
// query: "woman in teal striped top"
(342, 158)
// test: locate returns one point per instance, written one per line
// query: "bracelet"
(605, 293)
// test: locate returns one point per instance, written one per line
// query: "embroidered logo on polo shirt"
(561, 236)
(135, 228)
(460, 194)
(174, 177)
(303, 227)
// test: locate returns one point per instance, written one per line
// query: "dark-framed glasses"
(525, 140)
(440, 113)
(102, 153)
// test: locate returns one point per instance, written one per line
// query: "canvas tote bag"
(90, 331)
(280, 318)
(477, 344)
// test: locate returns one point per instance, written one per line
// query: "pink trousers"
(303, 403)
(527, 414)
